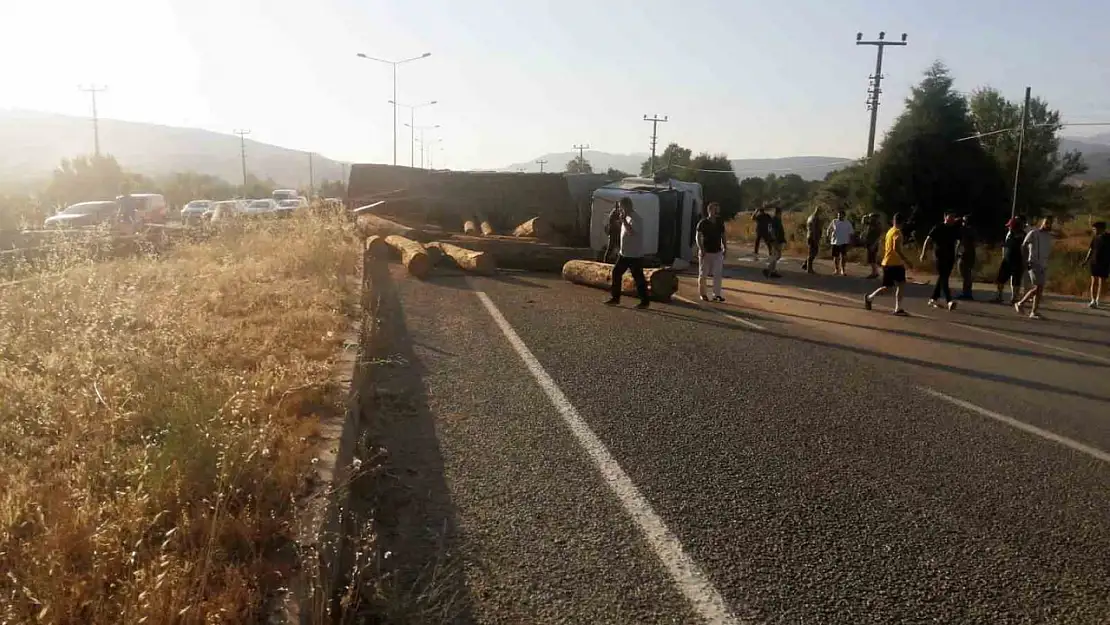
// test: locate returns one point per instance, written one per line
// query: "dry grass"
(1067, 274)
(150, 444)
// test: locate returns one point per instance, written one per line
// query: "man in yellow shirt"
(894, 267)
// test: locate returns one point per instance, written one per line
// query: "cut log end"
(535, 227)
(413, 255)
(470, 227)
(376, 247)
(466, 259)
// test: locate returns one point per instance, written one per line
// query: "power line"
(92, 90)
(654, 119)
(876, 82)
(541, 162)
(243, 155)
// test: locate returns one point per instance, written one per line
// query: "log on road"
(487, 228)
(469, 227)
(368, 224)
(413, 255)
(662, 282)
(536, 227)
(513, 253)
(467, 260)
(376, 247)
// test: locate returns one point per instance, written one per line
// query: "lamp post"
(412, 122)
(421, 139)
(394, 64)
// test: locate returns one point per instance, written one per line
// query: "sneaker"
(1093, 304)
(1035, 315)
(867, 302)
(718, 299)
(1017, 308)
(643, 305)
(766, 273)
(705, 298)
(612, 301)
(933, 303)
(901, 313)
(952, 305)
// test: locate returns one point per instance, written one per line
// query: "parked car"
(226, 209)
(83, 214)
(286, 208)
(260, 207)
(195, 210)
(149, 208)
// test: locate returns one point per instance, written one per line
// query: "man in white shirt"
(1038, 246)
(840, 237)
(631, 255)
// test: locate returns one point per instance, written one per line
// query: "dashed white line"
(1021, 339)
(740, 320)
(686, 574)
(1097, 454)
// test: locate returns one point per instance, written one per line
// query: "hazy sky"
(518, 78)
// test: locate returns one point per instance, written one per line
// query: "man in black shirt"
(775, 236)
(762, 223)
(711, 251)
(944, 238)
(613, 229)
(1012, 267)
(967, 257)
(1098, 255)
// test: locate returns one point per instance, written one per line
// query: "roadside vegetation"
(157, 422)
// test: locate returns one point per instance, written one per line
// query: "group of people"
(953, 241)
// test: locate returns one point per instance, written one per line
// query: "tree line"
(88, 178)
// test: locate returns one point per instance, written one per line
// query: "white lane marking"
(739, 320)
(855, 300)
(1097, 454)
(1021, 339)
(687, 575)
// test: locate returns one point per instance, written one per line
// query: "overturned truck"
(449, 199)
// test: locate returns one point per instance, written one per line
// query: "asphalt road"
(784, 458)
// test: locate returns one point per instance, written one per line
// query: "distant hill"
(808, 167)
(1096, 154)
(32, 144)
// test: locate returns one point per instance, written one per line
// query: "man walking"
(1038, 247)
(712, 248)
(813, 238)
(966, 256)
(776, 239)
(894, 267)
(613, 229)
(762, 222)
(944, 237)
(872, 232)
(1012, 267)
(840, 236)
(1098, 255)
(631, 256)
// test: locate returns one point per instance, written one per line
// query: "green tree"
(616, 174)
(579, 165)
(850, 188)
(718, 181)
(89, 178)
(1042, 181)
(674, 155)
(332, 188)
(257, 188)
(753, 192)
(182, 187)
(923, 168)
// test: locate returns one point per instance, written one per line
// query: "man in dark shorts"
(944, 237)
(841, 232)
(966, 256)
(762, 228)
(1012, 267)
(1098, 255)
(894, 267)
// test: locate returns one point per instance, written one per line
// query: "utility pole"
(311, 177)
(581, 152)
(542, 162)
(394, 100)
(243, 155)
(93, 90)
(654, 119)
(876, 82)
(1021, 147)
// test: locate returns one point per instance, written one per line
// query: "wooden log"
(376, 247)
(413, 255)
(529, 255)
(467, 260)
(469, 227)
(368, 224)
(535, 227)
(487, 228)
(662, 282)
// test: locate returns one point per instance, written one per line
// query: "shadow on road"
(414, 573)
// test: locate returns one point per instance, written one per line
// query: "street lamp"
(421, 139)
(412, 121)
(394, 64)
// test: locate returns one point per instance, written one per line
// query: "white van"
(284, 194)
(150, 208)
